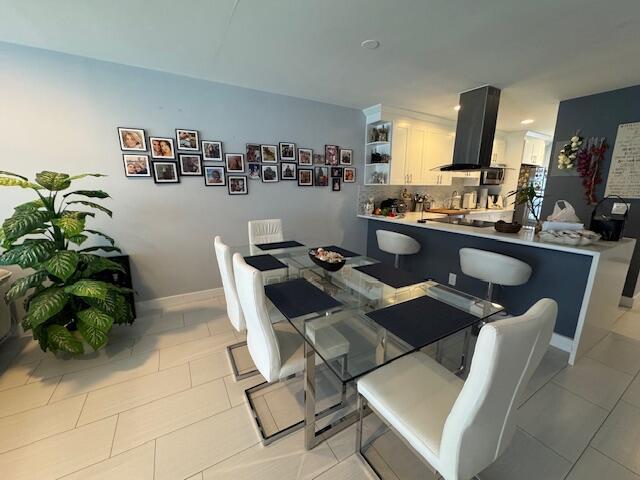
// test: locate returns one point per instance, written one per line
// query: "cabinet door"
(439, 151)
(399, 155)
(445, 178)
(415, 154)
(537, 153)
(498, 151)
(527, 152)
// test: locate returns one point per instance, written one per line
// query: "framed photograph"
(305, 177)
(288, 171)
(162, 148)
(331, 155)
(235, 162)
(321, 175)
(214, 176)
(190, 164)
(132, 139)
(253, 153)
(269, 173)
(211, 151)
(165, 172)
(287, 152)
(237, 185)
(335, 184)
(269, 153)
(336, 172)
(318, 159)
(346, 156)
(305, 156)
(187, 140)
(349, 175)
(136, 165)
(254, 171)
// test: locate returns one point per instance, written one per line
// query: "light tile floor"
(160, 403)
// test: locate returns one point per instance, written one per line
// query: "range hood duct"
(475, 130)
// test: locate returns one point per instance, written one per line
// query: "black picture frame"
(305, 153)
(336, 184)
(231, 182)
(270, 152)
(254, 153)
(208, 151)
(269, 173)
(221, 174)
(331, 155)
(349, 155)
(156, 152)
(136, 158)
(284, 154)
(305, 183)
(162, 181)
(232, 157)
(290, 166)
(137, 132)
(321, 176)
(344, 175)
(194, 140)
(254, 171)
(336, 172)
(184, 156)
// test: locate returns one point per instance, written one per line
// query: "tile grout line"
(190, 376)
(614, 460)
(155, 456)
(81, 409)
(113, 439)
(53, 392)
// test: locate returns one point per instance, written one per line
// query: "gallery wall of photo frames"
(167, 159)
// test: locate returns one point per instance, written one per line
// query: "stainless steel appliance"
(462, 221)
(492, 176)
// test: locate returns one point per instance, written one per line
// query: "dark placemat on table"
(389, 275)
(345, 253)
(275, 245)
(298, 297)
(422, 321)
(264, 262)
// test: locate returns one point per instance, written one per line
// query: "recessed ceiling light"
(370, 44)
(457, 108)
(527, 121)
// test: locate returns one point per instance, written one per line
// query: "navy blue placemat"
(394, 277)
(345, 253)
(264, 262)
(298, 297)
(422, 321)
(274, 245)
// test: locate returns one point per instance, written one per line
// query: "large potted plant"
(67, 307)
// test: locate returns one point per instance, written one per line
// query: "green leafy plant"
(528, 196)
(67, 306)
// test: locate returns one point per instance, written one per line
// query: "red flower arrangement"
(589, 160)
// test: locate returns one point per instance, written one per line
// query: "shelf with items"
(379, 132)
(377, 152)
(376, 174)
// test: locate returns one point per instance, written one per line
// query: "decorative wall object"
(305, 156)
(269, 153)
(269, 173)
(212, 151)
(235, 162)
(288, 171)
(136, 165)
(336, 172)
(335, 184)
(569, 153)
(331, 154)
(318, 159)
(254, 171)
(321, 175)
(162, 147)
(253, 153)
(287, 152)
(349, 175)
(190, 165)
(624, 172)
(305, 177)
(187, 140)
(132, 139)
(346, 156)
(589, 161)
(165, 172)
(214, 176)
(238, 185)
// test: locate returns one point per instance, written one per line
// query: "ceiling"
(538, 52)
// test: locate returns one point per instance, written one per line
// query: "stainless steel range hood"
(475, 130)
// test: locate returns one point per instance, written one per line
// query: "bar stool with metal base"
(397, 244)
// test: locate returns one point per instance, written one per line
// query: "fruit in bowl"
(331, 261)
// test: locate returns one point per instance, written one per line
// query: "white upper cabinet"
(399, 154)
(498, 152)
(533, 151)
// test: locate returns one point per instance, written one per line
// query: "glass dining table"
(379, 322)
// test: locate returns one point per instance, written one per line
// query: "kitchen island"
(586, 281)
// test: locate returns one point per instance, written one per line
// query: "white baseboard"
(174, 300)
(629, 302)
(563, 343)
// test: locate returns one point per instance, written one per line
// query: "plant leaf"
(88, 288)
(103, 235)
(96, 264)
(105, 248)
(62, 264)
(62, 339)
(70, 225)
(93, 336)
(23, 221)
(22, 285)
(53, 181)
(46, 304)
(89, 193)
(96, 318)
(78, 239)
(115, 305)
(3, 172)
(29, 253)
(32, 205)
(92, 205)
(77, 177)
(15, 182)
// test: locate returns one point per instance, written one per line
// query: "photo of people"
(165, 172)
(288, 171)
(254, 171)
(349, 175)
(214, 176)
(136, 165)
(269, 173)
(335, 184)
(305, 156)
(235, 162)
(305, 177)
(132, 139)
(212, 151)
(269, 153)
(321, 176)
(238, 185)
(253, 153)
(336, 172)
(162, 147)
(187, 140)
(318, 159)
(190, 165)
(287, 151)
(331, 154)
(345, 156)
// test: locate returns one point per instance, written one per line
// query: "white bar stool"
(397, 244)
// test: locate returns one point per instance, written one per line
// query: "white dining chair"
(277, 349)
(265, 231)
(460, 428)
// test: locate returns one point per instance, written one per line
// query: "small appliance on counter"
(492, 176)
(609, 226)
(482, 197)
(469, 200)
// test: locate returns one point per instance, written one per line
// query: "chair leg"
(343, 396)
(361, 406)
(396, 263)
(466, 353)
(234, 366)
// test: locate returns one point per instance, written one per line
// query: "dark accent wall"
(597, 116)
(558, 275)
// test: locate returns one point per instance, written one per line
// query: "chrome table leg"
(309, 397)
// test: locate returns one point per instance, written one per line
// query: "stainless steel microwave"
(492, 176)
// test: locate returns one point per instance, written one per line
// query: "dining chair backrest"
(481, 423)
(234, 310)
(265, 231)
(261, 339)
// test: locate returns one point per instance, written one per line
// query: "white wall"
(60, 112)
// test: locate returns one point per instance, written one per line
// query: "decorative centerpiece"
(330, 261)
(569, 153)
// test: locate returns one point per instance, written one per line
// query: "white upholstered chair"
(265, 231)
(277, 350)
(460, 428)
(397, 244)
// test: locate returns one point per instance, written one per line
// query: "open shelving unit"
(377, 162)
